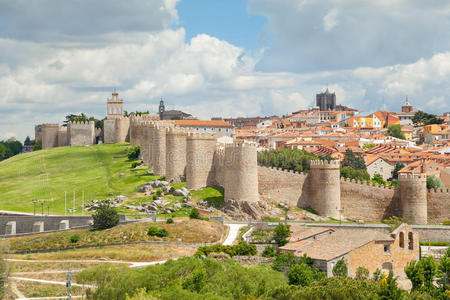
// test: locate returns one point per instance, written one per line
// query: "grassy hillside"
(45, 175)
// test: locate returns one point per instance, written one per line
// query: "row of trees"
(9, 148)
(424, 118)
(83, 118)
(289, 159)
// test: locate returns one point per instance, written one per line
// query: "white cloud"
(330, 20)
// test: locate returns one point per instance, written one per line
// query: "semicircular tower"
(413, 198)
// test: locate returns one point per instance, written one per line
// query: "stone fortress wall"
(179, 154)
(81, 133)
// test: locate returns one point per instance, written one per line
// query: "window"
(387, 249)
(410, 241)
(401, 240)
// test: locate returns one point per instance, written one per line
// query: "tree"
(354, 161)
(398, 167)
(301, 274)
(429, 269)
(388, 288)
(3, 270)
(133, 152)
(340, 269)
(395, 131)
(424, 118)
(282, 232)
(444, 272)
(415, 274)
(105, 217)
(350, 173)
(37, 145)
(27, 141)
(269, 251)
(434, 182)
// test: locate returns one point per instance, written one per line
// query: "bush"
(155, 231)
(195, 214)
(169, 221)
(282, 232)
(340, 269)
(301, 274)
(434, 182)
(362, 273)
(269, 251)
(74, 238)
(105, 217)
(134, 164)
(240, 249)
(133, 153)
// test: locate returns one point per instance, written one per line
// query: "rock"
(181, 192)
(121, 175)
(163, 183)
(186, 205)
(177, 205)
(121, 198)
(277, 211)
(290, 217)
(168, 189)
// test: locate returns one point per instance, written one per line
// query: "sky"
(218, 58)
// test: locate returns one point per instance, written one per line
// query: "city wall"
(234, 167)
(81, 133)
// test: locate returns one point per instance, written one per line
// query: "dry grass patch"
(36, 289)
(136, 253)
(183, 230)
(34, 266)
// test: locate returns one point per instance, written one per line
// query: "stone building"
(326, 101)
(366, 248)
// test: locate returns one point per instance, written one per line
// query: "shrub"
(169, 221)
(301, 274)
(133, 153)
(195, 214)
(434, 182)
(362, 273)
(134, 164)
(155, 231)
(74, 238)
(340, 269)
(269, 251)
(282, 232)
(105, 217)
(240, 249)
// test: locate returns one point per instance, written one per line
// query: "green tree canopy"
(395, 131)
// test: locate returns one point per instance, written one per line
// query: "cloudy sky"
(218, 58)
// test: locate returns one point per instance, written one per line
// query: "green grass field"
(98, 171)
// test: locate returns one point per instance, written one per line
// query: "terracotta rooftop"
(205, 123)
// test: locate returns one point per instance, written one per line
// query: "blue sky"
(227, 20)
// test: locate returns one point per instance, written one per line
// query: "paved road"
(233, 233)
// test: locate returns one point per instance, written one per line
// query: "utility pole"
(65, 203)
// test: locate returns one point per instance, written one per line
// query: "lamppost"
(34, 205)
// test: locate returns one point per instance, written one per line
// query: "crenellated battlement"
(75, 123)
(365, 183)
(324, 164)
(443, 191)
(407, 176)
(240, 145)
(284, 170)
(178, 131)
(201, 136)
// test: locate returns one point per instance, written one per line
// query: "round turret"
(241, 172)
(176, 140)
(325, 188)
(413, 198)
(199, 160)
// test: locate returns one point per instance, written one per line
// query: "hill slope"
(45, 175)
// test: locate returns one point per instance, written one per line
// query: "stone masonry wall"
(199, 160)
(241, 172)
(81, 133)
(438, 206)
(62, 136)
(122, 129)
(109, 131)
(368, 202)
(413, 196)
(49, 135)
(280, 185)
(176, 140)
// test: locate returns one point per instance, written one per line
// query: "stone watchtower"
(241, 172)
(176, 139)
(199, 160)
(325, 188)
(413, 198)
(114, 107)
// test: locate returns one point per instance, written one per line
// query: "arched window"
(402, 240)
(410, 241)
